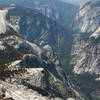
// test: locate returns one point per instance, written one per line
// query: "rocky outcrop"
(85, 50)
(19, 92)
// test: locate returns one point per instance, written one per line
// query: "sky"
(74, 1)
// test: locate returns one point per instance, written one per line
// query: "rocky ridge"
(86, 49)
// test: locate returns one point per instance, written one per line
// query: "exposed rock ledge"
(12, 89)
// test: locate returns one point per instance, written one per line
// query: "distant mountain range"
(59, 11)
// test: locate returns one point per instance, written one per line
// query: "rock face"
(87, 19)
(58, 10)
(19, 92)
(86, 51)
(86, 57)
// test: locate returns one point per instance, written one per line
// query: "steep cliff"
(86, 50)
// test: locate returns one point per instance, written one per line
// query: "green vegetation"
(86, 84)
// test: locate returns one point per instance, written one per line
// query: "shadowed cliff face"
(57, 10)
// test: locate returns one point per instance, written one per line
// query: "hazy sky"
(74, 1)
